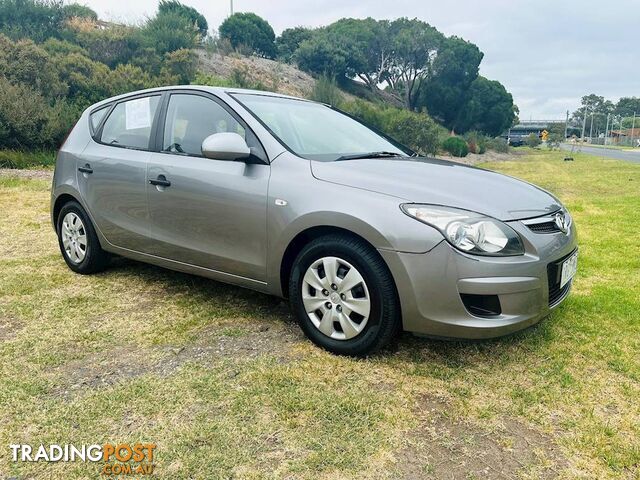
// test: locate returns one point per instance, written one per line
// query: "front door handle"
(161, 181)
(86, 169)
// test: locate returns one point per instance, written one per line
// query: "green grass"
(220, 379)
(23, 159)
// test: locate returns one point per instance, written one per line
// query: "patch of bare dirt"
(9, 327)
(127, 362)
(451, 448)
(280, 77)
(30, 173)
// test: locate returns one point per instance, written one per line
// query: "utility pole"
(566, 126)
(591, 130)
(231, 9)
(633, 128)
(606, 130)
(584, 124)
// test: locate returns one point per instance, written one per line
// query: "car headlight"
(468, 231)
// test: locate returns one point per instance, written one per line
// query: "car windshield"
(318, 132)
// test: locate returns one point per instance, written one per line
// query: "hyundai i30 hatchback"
(299, 200)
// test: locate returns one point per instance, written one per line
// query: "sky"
(547, 53)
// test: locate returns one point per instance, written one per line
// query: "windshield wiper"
(357, 156)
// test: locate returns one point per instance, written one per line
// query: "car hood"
(425, 180)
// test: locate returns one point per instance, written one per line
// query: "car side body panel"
(233, 222)
(314, 203)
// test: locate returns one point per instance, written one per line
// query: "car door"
(206, 212)
(112, 170)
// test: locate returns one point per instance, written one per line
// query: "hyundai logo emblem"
(562, 222)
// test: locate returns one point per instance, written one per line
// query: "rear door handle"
(161, 181)
(86, 169)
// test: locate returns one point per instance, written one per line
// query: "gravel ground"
(474, 159)
(35, 174)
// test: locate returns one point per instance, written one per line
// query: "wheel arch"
(60, 202)
(296, 245)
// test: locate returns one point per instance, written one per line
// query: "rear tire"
(344, 296)
(78, 241)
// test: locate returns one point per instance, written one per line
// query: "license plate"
(569, 269)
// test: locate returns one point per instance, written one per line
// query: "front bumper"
(430, 286)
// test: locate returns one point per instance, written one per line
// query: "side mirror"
(225, 146)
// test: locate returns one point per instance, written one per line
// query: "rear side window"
(96, 117)
(192, 118)
(129, 124)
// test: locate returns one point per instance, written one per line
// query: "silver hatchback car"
(297, 199)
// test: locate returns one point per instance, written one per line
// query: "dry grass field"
(223, 382)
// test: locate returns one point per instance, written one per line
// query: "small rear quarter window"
(96, 117)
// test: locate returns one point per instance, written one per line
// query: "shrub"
(23, 159)
(169, 31)
(533, 140)
(35, 19)
(61, 118)
(238, 79)
(23, 116)
(476, 142)
(111, 46)
(24, 62)
(456, 146)
(75, 10)
(326, 91)
(179, 67)
(497, 145)
(212, 80)
(415, 130)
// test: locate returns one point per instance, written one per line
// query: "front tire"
(343, 296)
(78, 241)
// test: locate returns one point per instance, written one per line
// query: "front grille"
(554, 275)
(544, 227)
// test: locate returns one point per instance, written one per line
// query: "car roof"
(200, 88)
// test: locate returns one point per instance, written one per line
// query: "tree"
(289, 41)
(190, 13)
(627, 106)
(249, 30)
(454, 70)
(415, 45)
(596, 107)
(556, 135)
(321, 56)
(169, 31)
(488, 108)
(365, 42)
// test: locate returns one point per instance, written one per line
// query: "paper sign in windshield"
(138, 114)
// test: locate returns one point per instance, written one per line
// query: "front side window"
(191, 119)
(129, 124)
(315, 131)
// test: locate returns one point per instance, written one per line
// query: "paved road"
(629, 155)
